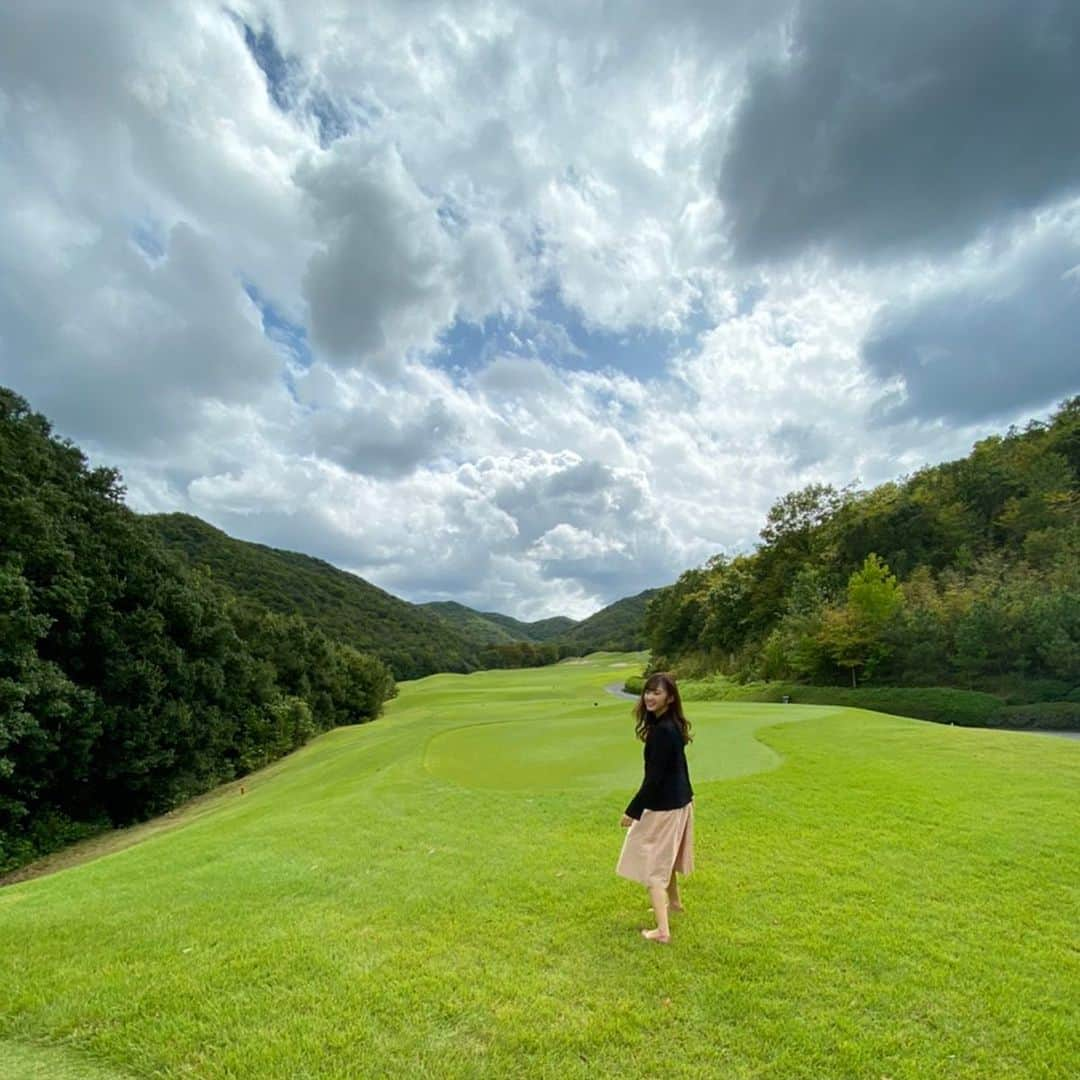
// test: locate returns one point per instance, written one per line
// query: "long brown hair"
(645, 719)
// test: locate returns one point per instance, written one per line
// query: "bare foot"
(655, 935)
(674, 905)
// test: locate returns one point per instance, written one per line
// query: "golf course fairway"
(433, 894)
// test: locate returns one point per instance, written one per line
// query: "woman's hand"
(627, 821)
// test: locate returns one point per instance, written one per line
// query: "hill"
(492, 628)
(474, 625)
(618, 627)
(542, 630)
(413, 641)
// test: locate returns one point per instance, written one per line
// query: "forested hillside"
(471, 624)
(129, 682)
(965, 574)
(553, 629)
(409, 638)
(413, 639)
(491, 628)
(619, 627)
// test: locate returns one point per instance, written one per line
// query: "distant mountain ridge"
(542, 630)
(413, 639)
(619, 627)
(492, 628)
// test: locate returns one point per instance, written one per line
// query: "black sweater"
(667, 778)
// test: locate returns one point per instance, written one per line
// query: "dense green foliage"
(509, 643)
(474, 625)
(966, 574)
(619, 627)
(128, 682)
(1043, 715)
(557, 628)
(523, 654)
(411, 640)
(942, 704)
(554, 629)
(491, 628)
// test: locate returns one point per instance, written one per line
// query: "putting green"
(597, 753)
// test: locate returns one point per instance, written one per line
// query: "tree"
(794, 517)
(854, 634)
(726, 604)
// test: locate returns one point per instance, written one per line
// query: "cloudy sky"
(535, 305)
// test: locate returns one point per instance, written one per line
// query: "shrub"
(1016, 690)
(1047, 715)
(48, 832)
(968, 708)
(943, 705)
(721, 688)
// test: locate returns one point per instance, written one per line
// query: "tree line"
(130, 681)
(526, 654)
(965, 574)
(414, 640)
(411, 640)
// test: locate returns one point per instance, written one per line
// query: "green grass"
(433, 895)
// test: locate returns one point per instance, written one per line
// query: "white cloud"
(129, 353)
(387, 276)
(566, 543)
(492, 162)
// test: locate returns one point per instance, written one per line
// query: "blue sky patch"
(555, 333)
(333, 121)
(291, 92)
(147, 237)
(280, 70)
(639, 351)
(291, 336)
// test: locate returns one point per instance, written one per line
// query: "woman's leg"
(658, 896)
(674, 900)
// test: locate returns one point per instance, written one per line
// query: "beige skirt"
(660, 842)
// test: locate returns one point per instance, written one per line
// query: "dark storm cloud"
(897, 127)
(990, 347)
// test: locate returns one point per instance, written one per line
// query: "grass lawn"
(433, 895)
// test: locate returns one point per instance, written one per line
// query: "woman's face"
(656, 700)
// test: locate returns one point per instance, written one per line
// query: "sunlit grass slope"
(433, 895)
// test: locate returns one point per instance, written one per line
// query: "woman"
(660, 816)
